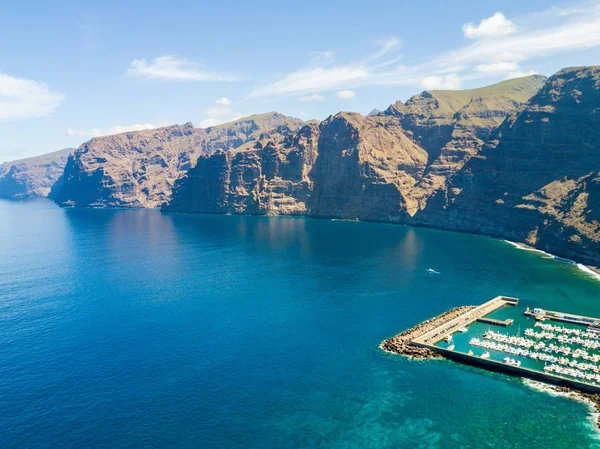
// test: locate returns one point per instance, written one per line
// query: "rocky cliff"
(381, 167)
(517, 160)
(32, 177)
(139, 169)
(538, 179)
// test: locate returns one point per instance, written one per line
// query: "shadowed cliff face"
(139, 169)
(33, 177)
(537, 180)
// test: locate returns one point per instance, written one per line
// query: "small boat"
(464, 330)
(432, 271)
(448, 338)
(450, 348)
(485, 355)
(470, 352)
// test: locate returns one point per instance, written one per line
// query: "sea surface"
(134, 328)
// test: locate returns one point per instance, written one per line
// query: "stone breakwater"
(401, 343)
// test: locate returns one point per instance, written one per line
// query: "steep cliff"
(139, 169)
(32, 177)
(537, 181)
(346, 166)
(380, 167)
(453, 126)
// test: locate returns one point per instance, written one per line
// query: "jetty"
(542, 314)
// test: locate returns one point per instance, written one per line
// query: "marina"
(558, 348)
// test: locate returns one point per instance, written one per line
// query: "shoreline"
(591, 400)
(593, 272)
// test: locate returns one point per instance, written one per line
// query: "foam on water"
(580, 266)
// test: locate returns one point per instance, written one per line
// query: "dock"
(507, 322)
(542, 314)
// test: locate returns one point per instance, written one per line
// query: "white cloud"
(21, 98)
(494, 67)
(447, 82)
(520, 74)
(500, 50)
(117, 129)
(494, 26)
(206, 123)
(315, 97)
(174, 68)
(316, 79)
(218, 114)
(224, 101)
(346, 94)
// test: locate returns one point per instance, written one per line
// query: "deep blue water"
(132, 328)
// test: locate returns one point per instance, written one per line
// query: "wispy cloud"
(174, 68)
(346, 94)
(496, 25)
(117, 129)
(22, 98)
(224, 101)
(501, 47)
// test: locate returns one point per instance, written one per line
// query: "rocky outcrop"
(139, 169)
(32, 177)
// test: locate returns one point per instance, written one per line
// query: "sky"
(70, 71)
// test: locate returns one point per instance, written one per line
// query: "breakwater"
(403, 342)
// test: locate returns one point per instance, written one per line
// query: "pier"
(507, 322)
(542, 314)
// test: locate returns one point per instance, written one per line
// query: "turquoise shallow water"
(124, 329)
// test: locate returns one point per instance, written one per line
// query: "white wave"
(526, 248)
(589, 271)
(580, 266)
(594, 412)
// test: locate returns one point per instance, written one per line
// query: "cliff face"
(537, 180)
(32, 177)
(381, 167)
(139, 169)
(269, 175)
(347, 166)
(453, 126)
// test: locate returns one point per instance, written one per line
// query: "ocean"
(139, 329)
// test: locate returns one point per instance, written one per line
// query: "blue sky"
(73, 70)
